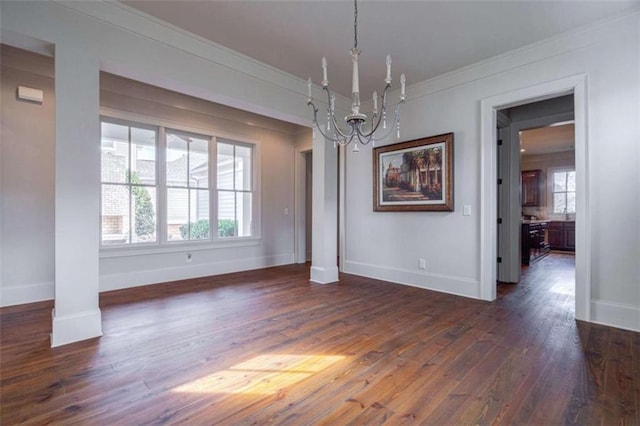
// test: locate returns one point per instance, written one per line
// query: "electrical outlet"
(422, 264)
(188, 257)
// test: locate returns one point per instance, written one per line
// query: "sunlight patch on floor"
(263, 374)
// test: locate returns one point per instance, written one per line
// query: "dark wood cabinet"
(533, 182)
(562, 236)
(534, 239)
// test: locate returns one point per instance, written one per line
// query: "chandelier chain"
(360, 129)
(355, 25)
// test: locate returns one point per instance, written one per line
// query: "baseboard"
(74, 328)
(459, 286)
(616, 315)
(160, 275)
(19, 295)
(324, 275)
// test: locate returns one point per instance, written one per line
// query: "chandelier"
(358, 129)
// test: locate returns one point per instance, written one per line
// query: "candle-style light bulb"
(375, 102)
(388, 79)
(402, 85)
(309, 88)
(325, 82)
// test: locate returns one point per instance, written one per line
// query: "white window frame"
(550, 173)
(162, 245)
(130, 124)
(252, 190)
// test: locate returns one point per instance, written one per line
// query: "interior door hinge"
(499, 220)
(499, 181)
(499, 260)
(499, 142)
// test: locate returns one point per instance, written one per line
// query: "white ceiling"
(547, 140)
(425, 38)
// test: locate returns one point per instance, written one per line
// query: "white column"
(324, 256)
(76, 315)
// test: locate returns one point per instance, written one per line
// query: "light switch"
(466, 210)
(286, 210)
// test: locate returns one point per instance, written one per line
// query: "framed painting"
(414, 176)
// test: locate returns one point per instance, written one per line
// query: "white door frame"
(577, 85)
(300, 191)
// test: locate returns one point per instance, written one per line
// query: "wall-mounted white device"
(30, 94)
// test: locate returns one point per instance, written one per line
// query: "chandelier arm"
(376, 124)
(391, 128)
(332, 119)
(315, 120)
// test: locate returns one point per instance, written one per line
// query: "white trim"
(324, 275)
(300, 194)
(150, 120)
(178, 246)
(138, 278)
(615, 315)
(28, 293)
(451, 284)
(74, 328)
(488, 191)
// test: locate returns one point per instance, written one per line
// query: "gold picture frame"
(414, 176)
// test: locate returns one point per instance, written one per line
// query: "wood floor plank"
(266, 346)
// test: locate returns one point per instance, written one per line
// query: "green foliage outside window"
(200, 229)
(145, 218)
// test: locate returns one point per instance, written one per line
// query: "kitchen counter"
(535, 221)
(534, 240)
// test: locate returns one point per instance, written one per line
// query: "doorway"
(535, 162)
(575, 85)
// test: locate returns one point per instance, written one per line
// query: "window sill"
(176, 247)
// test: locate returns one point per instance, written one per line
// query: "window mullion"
(161, 170)
(131, 212)
(213, 188)
(188, 192)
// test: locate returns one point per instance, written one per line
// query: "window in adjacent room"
(564, 192)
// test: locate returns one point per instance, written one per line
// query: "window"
(564, 192)
(187, 175)
(129, 202)
(234, 165)
(157, 186)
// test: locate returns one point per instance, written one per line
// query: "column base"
(74, 328)
(324, 275)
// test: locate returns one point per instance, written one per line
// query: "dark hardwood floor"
(269, 347)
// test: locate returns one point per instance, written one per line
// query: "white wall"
(27, 180)
(451, 103)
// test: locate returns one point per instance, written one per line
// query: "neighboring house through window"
(129, 202)
(143, 203)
